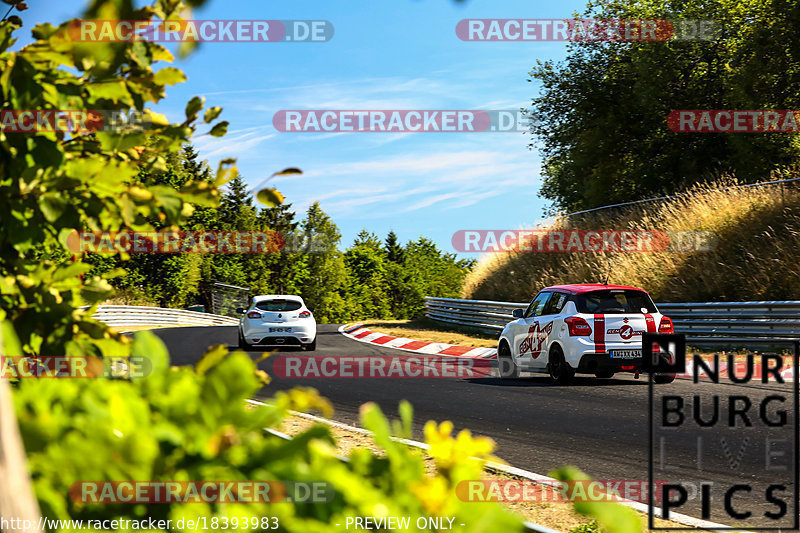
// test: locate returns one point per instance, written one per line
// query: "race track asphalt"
(598, 425)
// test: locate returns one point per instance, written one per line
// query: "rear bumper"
(598, 362)
(261, 336)
(280, 341)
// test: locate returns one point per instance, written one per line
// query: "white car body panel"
(532, 338)
(278, 327)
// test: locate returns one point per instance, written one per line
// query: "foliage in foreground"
(192, 424)
(609, 517)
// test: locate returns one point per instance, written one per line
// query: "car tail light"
(666, 325)
(253, 314)
(578, 327)
(305, 314)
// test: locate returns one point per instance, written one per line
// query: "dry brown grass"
(758, 237)
(424, 329)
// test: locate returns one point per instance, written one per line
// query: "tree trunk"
(19, 510)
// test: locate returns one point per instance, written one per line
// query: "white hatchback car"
(589, 328)
(277, 320)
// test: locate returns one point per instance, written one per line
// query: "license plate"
(625, 354)
(280, 330)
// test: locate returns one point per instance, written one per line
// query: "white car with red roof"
(589, 328)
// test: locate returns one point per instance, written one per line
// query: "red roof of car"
(588, 287)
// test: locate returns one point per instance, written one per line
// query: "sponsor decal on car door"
(534, 342)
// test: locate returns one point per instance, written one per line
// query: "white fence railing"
(700, 322)
(136, 315)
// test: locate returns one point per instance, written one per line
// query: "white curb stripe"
(397, 343)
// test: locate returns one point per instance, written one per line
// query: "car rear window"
(279, 305)
(614, 301)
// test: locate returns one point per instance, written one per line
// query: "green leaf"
(11, 346)
(200, 193)
(288, 171)
(212, 113)
(226, 171)
(115, 91)
(52, 206)
(211, 358)
(169, 76)
(194, 106)
(170, 201)
(406, 411)
(270, 197)
(43, 31)
(150, 348)
(160, 53)
(613, 517)
(71, 271)
(373, 420)
(219, 129)
(186, 48)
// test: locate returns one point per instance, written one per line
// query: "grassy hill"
(757, 233)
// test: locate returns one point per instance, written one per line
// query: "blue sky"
(393, 54)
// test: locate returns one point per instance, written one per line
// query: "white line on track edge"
(512, 470)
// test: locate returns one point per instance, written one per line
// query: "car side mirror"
(240, 310)
(517, 313)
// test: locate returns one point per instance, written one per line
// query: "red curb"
(457, 350)
(415, 345)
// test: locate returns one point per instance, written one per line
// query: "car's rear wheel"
(661, 379)
(560, 371)
(311, 347)
(604, 374)
(506, 366)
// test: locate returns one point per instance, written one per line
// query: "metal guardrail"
(136, 315)
(701, 322)
(226, 298)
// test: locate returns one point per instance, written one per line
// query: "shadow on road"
(544, 381)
